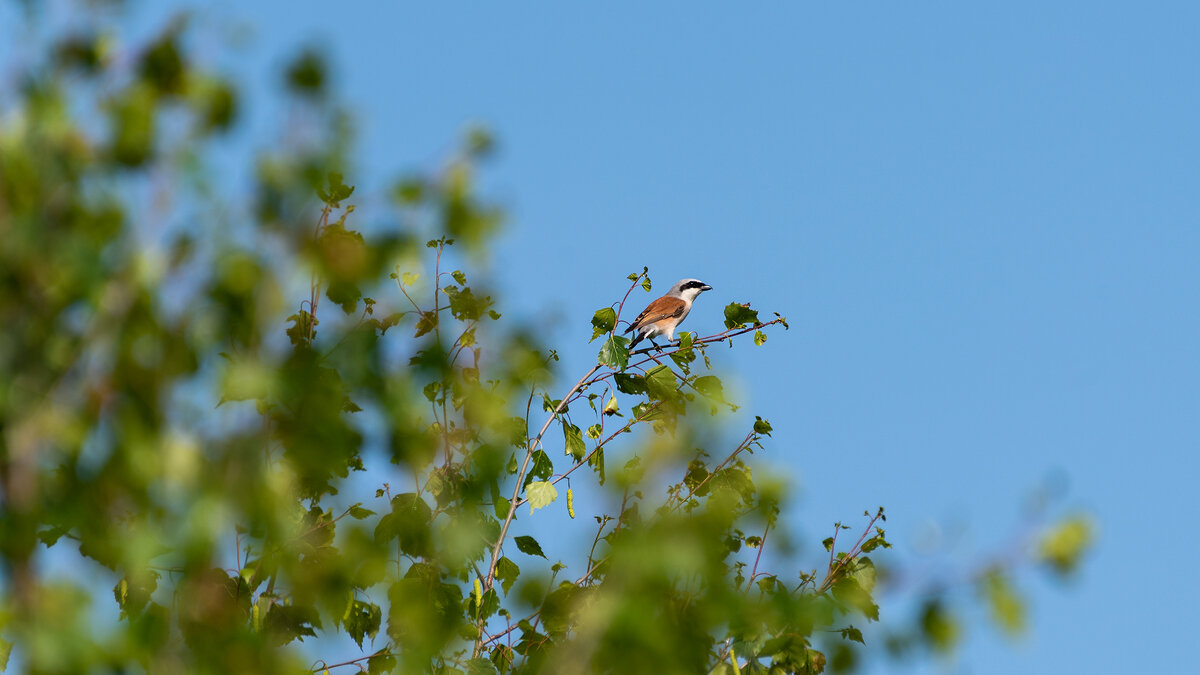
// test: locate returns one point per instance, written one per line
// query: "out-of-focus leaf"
(762, 426)
(1063, 546)
(940, 629)
(409, 522)
(1006, 605)
(362, 619)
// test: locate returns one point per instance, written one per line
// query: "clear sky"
(983, 223)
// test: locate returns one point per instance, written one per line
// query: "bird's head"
(688, 289)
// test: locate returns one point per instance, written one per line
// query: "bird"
(662, 316)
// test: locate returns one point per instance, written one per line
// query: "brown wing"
(665, 307)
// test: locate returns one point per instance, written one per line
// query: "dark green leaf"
(381, 662)
(409, 521)
(529, 546)
(306, 75)
(603, 321)
(362, 619)
(630, 384)
(481, 666)
(291, 622)
(426, 323)
(762, 426)
(939, 627)
(344, 294)
(507, 572)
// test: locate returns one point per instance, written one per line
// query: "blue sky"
(982, 223)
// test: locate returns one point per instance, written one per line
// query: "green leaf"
(685, 355)
(737, 316)
(863, 571)
(542, 466)
(615, 352)
(828, 543)
(576, 447)
(409, 191)
(465, 305)
(529, 546)
(381, 662)
(760, 338)
(426, 323)
(1007, 606)
(409, 278)
(630, 384)
(852, 633)
(289, 622)
(358, 512)
(507, 572)
(409, 522)
(337, 190)
(594, 431)
(710, 386)
(481, 665)
(660, 383)
(851, 593)
(540, 494)
(646, 284)
(362, 619)
(303, 324)
(939, 626)
(344, 294)
(603, 321)
(501, 506)
(762, 426)
(306, 74)
(1062, 547)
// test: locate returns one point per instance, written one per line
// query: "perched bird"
(662, 316)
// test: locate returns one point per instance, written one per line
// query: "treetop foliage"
(182, 417)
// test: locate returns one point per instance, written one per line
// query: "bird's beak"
(705, 287)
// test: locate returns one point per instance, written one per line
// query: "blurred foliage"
(179, 417)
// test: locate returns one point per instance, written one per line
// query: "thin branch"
(742, 446)
(512, 506)
(850, 555)
(761, 545)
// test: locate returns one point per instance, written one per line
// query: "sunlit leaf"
(603, 322)
(614, 353)
(540, 494)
